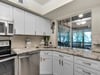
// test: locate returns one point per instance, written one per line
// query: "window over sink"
(75, 32)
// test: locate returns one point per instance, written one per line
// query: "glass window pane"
(87, 40)
(64, 33)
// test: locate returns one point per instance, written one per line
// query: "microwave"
(6, 27)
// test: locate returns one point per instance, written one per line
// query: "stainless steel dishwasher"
(29, 63)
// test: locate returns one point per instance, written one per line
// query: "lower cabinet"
(67, 67)
(81, 70)
(83, 66)
(62, 66)
(56, 63)
(45, 62)
(57, 67)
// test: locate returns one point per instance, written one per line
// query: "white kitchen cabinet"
(57, 67)
(6, 12)
(39, 26)
(19, 21)
(67, 67)
(62, 64)
(87, 63)
(82, 70)
(42, 26)
(47, 27)
(29, 24)
(45, 63)
(83, 66)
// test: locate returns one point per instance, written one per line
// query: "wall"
(73, 8)
(19, 41)
(53, 37)
(96, 28)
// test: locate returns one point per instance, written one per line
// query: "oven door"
(10, 28)
(7, 66)
(2, 27)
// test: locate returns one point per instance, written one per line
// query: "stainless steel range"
(7, 58)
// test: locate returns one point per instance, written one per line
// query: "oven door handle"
(7, 59)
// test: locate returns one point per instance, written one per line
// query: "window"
(63, 39)
(82, 39)
(75, 31)
(77, 41)
(87, 40)
(64, 34)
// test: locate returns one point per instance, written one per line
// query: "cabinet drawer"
(57, 54)
(46, 53)
(88, 63)
(82, 70)
(68, 57)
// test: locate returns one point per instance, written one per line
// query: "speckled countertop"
(75, 52)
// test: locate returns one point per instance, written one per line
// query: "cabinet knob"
(62, 63)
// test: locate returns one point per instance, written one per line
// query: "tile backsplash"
(19, 41)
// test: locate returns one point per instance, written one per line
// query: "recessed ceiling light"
(83, 22)
(80, 15)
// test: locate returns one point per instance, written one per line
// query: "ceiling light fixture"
(80, 15)
(81, 23)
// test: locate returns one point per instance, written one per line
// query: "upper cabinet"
(25, 23)
(42, 26)
(6, 12)
(19, 21)
(39, 26)
(30, 24)
(47, 27)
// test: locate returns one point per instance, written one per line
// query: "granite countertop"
(75, 52)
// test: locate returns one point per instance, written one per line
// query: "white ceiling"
(42, 2)
(45, 6)
(74, 8)
(42, 7)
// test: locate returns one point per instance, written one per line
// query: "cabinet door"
(85, 72)
(39, 26)
(67, 67)
(29, 24)
(57, 67)
(47, 26)
(19, 21)
(82, 70)
(5, 11)
(46, 64)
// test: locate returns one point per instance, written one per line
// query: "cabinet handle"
(87, 63)
(87, 72)
(62, 63)
(59, 61)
